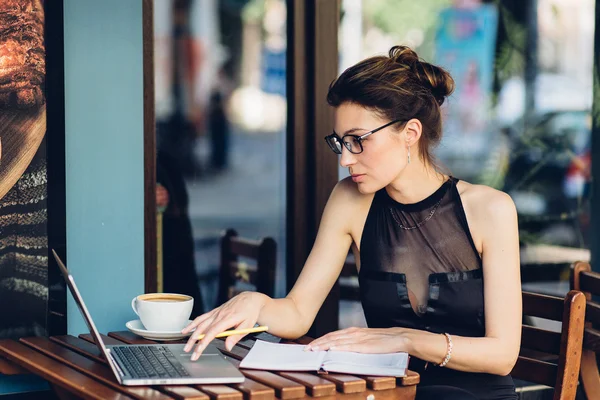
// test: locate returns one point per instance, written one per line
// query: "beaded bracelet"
(448, 351)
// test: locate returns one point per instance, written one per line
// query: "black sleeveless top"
(419, 268)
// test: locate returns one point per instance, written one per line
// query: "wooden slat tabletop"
(75, 366)
(56, 372)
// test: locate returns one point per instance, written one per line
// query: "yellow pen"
(256, 329)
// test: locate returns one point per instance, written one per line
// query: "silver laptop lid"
(86, 315)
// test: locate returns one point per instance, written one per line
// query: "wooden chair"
(583, 279)
(233, 269)
(348, 280)
(547, 357)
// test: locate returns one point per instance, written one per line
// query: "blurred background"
(520, 119)
(220, 81)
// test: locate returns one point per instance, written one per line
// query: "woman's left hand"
(362, 340)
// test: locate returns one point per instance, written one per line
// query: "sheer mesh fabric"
(419, 269)
(419, 239)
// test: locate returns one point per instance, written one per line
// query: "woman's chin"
(365, 188)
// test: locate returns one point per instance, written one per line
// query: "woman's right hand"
(241, 312)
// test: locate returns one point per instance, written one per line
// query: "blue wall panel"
(104, 155)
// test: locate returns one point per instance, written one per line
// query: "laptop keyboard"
(150, 362)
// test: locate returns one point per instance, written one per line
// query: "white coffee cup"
(166, 312)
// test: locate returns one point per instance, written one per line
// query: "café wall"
(104, 164)
(104, 156)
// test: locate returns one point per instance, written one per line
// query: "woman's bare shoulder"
(348, 191)
(485, 201)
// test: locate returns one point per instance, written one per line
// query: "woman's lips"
(358, 177)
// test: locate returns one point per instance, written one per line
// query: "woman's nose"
(347, 159)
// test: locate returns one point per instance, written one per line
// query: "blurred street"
(248, 196)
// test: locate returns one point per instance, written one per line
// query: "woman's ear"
(412, 131)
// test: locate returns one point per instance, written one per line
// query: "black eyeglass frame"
(359, 138)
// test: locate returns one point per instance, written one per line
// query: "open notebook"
(292, 357)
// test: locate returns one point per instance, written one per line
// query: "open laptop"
(156, 364)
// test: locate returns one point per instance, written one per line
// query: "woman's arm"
(495, 221)
(292, 316)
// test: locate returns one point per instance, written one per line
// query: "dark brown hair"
(399, 86)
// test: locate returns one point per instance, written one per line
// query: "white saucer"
(137, 327)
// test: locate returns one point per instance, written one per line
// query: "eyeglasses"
(352, 142)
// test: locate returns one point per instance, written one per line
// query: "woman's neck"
(415, 183)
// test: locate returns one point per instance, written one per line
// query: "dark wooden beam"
(312, 169)
(150, 257)
(56, 317)
(296, 147)
(595, 187)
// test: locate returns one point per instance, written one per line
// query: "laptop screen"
(79, 300)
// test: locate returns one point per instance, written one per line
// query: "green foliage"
(596, 91)
(510, 58)
(399, 17)
(253, 11)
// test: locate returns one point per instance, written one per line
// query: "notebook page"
(391, 364)
(282, 357)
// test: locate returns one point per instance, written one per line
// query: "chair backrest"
(583, 279)
(233, 268)
(348, 280)
(547, 357)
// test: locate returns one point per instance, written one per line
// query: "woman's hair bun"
(435, 78)
(403, 55)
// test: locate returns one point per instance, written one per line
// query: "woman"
(430, 246)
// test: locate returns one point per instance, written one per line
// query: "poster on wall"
(24, 227)
(465, 45)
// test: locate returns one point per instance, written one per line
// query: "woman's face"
(384, 153)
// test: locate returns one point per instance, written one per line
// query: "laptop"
(156, 364)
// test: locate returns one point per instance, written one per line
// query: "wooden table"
(75, 369)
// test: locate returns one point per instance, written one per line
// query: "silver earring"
(408, 154)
